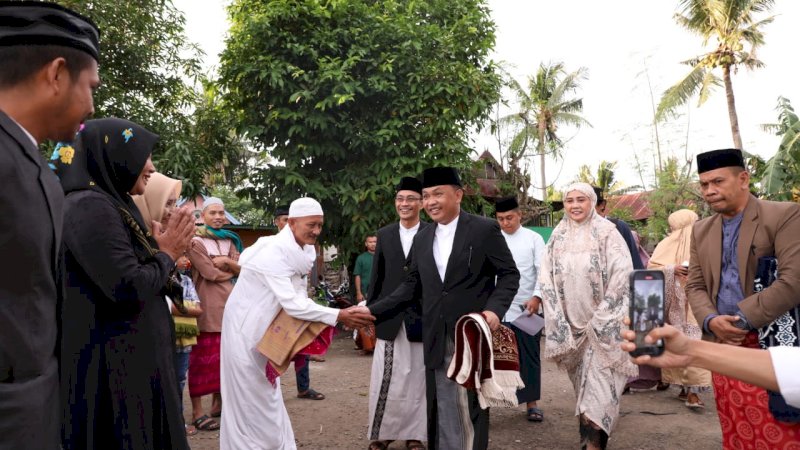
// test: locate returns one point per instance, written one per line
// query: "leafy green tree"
(676, 189)
(146, 64)
(732, 23)
(778, 179)
(544, 105)
(151, 75)
(344, 98)
(211, 153)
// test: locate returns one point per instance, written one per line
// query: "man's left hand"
(491, 320)
(532, 305)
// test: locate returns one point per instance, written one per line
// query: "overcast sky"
(615, 40)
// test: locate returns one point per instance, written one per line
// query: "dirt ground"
(650, 420)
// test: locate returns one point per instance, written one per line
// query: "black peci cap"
(40, 23)
(410, 184)
(506, 204)
(440, 176)
(717, 159)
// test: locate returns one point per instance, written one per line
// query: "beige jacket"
(768, 229)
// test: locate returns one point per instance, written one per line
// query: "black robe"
(119, 389)
(118, 378)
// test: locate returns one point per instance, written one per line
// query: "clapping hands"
(174, 240)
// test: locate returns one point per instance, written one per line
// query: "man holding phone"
(527, 248)
(725, 252)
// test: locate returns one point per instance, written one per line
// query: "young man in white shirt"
(527, 248)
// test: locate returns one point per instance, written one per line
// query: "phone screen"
(647, 308)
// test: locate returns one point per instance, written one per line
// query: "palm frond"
(681, 92)
(710, 81)
(573, 119)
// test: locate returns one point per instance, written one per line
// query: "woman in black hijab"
(118, 383)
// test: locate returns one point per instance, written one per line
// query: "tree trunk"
(540, 149)
(737, 138)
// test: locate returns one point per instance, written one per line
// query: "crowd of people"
(115, 298)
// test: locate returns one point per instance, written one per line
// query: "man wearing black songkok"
(396, 404)
(461, 265)
(727, 253)
(48, 69)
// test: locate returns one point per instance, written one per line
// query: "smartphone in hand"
(646, 309)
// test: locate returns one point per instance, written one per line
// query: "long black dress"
(118, 382)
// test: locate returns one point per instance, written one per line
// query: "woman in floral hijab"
(585, 294)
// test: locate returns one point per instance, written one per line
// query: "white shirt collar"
(448, 229)
(30, 136)
(510, 234)
(409, 230)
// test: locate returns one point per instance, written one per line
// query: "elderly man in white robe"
(273, 277)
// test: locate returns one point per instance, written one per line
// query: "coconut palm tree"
(731, 23)
(604, 178)
(545, 105)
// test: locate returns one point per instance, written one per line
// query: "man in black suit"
(48, 70)
(398, 370)
(454, 265)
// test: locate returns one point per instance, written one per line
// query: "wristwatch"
(742, 323)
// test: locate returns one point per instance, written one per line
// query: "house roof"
(636, 203)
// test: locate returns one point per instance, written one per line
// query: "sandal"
(535, 415)
(206, 423)
(316, 358)
(414, 445)
(693, 401)
(311, 395)
(191, 430)
(684, 395)
(379, 445)
(661, 386)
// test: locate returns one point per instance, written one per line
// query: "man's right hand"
(175, 239)
(356, 317)
(725, 331)
(677, 347)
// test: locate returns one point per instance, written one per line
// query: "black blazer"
(30, 241)
(389, 268)
(480, 254)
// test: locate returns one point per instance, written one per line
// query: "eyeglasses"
(409, 199)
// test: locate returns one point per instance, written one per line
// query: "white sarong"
(397, 405)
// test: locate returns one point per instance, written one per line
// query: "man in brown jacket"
(725, 252)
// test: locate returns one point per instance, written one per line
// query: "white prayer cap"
(212, 201)
(304, 207)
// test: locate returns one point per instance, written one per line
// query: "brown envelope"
(285, 337)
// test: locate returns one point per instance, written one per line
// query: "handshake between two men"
(356, 317)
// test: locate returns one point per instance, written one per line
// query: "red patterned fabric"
(204, 365)
(319, 346)
(745, 418)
